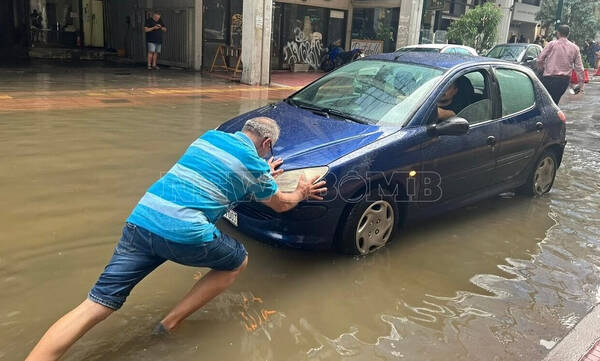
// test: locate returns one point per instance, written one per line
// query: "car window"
(532, 52)
(374, 91)
(462, 51)
(516, 91)
(478, 106)
(449, 51)
(506, 52)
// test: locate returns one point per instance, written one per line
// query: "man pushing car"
(175, 221)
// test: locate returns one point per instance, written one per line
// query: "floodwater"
(504, 279)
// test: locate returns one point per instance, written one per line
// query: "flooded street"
(504, 279)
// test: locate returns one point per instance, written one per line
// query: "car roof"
(436, 60)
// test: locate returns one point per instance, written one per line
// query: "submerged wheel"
(541, 179)
(369, 226)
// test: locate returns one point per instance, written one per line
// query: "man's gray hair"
(263, 127)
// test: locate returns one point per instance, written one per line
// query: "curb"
(581, 343)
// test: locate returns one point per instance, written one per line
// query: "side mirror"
(452, 126)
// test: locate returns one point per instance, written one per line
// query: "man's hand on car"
(274, 164)
(310, 189)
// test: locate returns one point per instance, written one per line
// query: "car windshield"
(370, 91)
(506, 52)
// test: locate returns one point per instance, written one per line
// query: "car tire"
(369, 225)
(541, 178)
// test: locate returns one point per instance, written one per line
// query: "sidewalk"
(582, 343)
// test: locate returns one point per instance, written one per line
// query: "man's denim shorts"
(154, 47)
(140, 251)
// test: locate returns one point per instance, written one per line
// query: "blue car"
(373, 131)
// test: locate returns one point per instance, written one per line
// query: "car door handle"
(539, 126)
(491, 140)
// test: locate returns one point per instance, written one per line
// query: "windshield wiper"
(340, 114)
(326, 111)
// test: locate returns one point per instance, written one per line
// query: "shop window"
(301, 34)
(376, 24)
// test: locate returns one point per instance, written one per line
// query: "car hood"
(309, 139)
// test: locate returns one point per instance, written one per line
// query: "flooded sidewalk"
(504, 279)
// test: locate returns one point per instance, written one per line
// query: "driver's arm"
(282, 202)
(444, 114)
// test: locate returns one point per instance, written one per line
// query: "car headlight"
(288, 180)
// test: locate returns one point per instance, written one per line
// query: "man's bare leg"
(154, 57)
(64, 332)
(150, 56)
(209, 286)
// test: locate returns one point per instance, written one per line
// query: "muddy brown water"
(503, 279)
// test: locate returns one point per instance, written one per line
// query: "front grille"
(255, 211)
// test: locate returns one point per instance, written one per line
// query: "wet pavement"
(504, 279)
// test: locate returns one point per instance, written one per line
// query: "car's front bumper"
(308, 226)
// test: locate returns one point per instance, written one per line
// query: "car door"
(521, 124)
(461, 165)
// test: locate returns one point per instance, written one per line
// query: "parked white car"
(441, 48)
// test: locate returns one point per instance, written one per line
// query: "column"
(197, 36)
(504, 25)
(409, 23)
(256, 42)
(349, 26)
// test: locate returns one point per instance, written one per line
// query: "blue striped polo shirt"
(216, 172)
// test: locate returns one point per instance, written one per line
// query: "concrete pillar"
(504, 25)
(197, 37)
(256, 42)
(349, 26)
(409, 23)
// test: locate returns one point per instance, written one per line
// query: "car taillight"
(561, 116)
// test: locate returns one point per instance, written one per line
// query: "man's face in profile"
(450, 93)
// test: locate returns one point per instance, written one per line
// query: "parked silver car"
(441, 48)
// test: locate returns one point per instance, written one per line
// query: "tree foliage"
(580, 15)
(477, 28)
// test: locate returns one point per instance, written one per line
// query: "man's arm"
(282, 202)
(444, 114)
(542, 57)
(147, 29)
(579, 69)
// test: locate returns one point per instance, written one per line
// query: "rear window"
(516, 91)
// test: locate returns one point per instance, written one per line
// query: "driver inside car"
(455, 99)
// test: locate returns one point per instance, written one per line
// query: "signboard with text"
(369, 47)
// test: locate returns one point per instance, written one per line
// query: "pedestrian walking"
(558, 59)
(175, 220)
(154, 28)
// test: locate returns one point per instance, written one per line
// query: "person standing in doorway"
(557, 60)
(154, 28)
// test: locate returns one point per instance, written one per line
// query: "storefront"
(222, 26)
(523, 26)
(58, 22)
(376, 27)
(301, 32)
